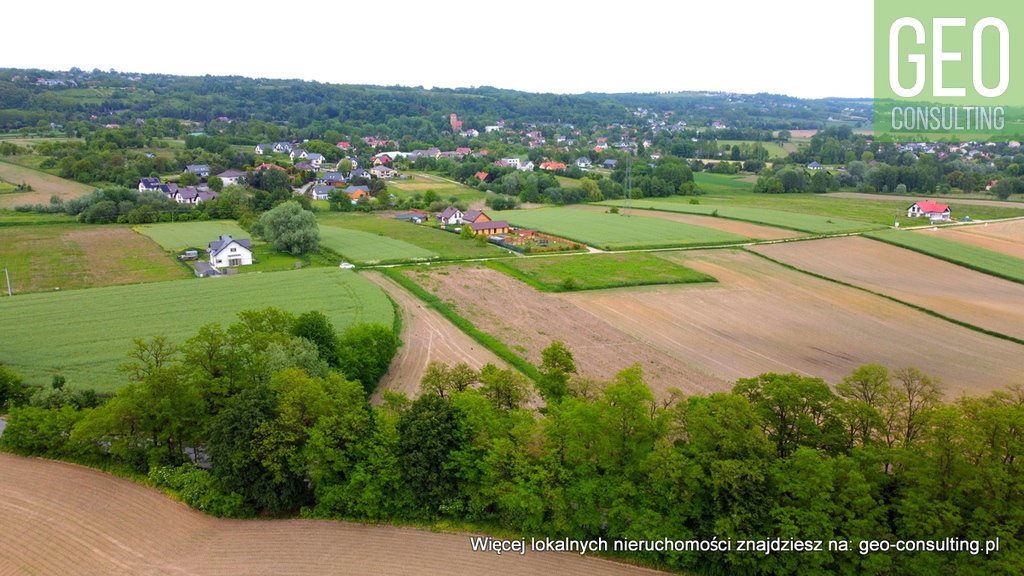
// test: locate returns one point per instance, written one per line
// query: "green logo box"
(949, 70)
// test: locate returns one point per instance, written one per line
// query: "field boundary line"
(927, 311)
(944, 258)
(499, 348)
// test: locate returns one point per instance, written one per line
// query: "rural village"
(624, 318)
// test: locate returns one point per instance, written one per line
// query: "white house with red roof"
(932, 210)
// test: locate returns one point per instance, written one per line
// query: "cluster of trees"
(254, 399)
(879, 457)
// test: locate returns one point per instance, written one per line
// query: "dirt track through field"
(528, 321)
(426, 336)
(746, 229)
(761, 317)
(950, 290)
(64, 519)
(1005, 237)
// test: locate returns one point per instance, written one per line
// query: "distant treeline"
(274, 410)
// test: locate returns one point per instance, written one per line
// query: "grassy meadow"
(446, 245)
(85, 334)
(615, 231)
(596, 271)
(177, 236)
(368, 248)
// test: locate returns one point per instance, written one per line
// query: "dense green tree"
(315, 327)
(13, 390)
(429, 432)
(365, 352)
(556, 367)
(289, 228)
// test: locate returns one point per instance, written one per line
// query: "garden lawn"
(85, 334)
(594, 271)
(973, 257)
(615, 231)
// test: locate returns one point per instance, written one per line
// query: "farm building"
(491, 227)
(932, 210)
(475, 217)
(226, 251)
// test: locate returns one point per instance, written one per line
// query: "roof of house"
(267, 165)
(352, 189)
(610, 163)
(150, 182)
(197, 168)
(481, 175)
(231, 174)
(381, 169)
(449, 212)
(492, 225)
(472, 215)
(304, 166)
(929, 206)
(188, 192)
(814, 164)
(323, 189)
(313, 157)
(359, 173)
(207, 195)
(332, 177)
(226, 240)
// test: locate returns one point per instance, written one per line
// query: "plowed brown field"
(1005, 237)
(528, 321)
(58, 519)
(946, 288)
(762, 317)
(426, 337)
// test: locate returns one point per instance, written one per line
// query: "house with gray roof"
(226, 251)
(201, 170)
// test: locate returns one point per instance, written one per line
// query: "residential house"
(933, 210)
(526, 166)
(814, 166)
(168, 190)
(355, 193)
(269, 166)
(510, 162)
(583, 162)
(201, 170)
(482, 176)
(471, 133)
(344, 145)
(450, 216)
(232, 177)
(610, 164)
(491, 227)
(315, 159)
(321, 192)
(475, 216)
(149, 184)
(359, 173)
(192, 195)
(226, 251)
(552, 166)
(383, 172)
(382, 160)
(331, 178)
(463, 150)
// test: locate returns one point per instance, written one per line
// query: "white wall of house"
(233, 254)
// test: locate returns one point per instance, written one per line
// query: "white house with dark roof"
(321, 192)
(226, 251)
(232, 177)
(149, 184)
(450, 216)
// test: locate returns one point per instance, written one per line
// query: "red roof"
(481, 176)
(344, 145)
(928, 206)
(266, 165)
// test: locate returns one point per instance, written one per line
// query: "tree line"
(270, 416)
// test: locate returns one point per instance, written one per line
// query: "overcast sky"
(806, 48)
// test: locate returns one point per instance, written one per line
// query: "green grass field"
(790, 220)
(175, 236)
(775, 150)
(614, 231)
(722, 183)
(420, 182)
(447, 245)
(595, 271)
(368, 248)
(85, 334)
(973, 257)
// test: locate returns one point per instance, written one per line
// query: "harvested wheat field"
(43, 186)
(953, 291)
(1004, 237)
(65, 519)
(426, 336)
(528, 321)
(761, 317)
(747, 229)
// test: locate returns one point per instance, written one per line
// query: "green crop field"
(973, 257)
(594, 271)
(615, 231)
(725, 183)
(85, 334)
(420, 182)
(447, 245)
(791, 220)
(175, 236)
(369, 248)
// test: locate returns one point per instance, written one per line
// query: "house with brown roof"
(491, 227)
